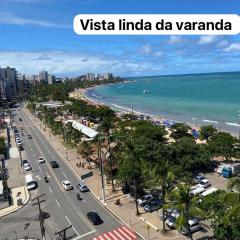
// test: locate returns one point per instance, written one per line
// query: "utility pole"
(41, 218)
(62, 234)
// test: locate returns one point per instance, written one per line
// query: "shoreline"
(232, 128)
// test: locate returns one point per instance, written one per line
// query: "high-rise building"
(2, 90)
(90, 76)
(51, 79)
(9, 76)
(43, 77)
(107, 75)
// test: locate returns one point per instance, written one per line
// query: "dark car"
(54, 164)
(154, 205)
(20, 119)
(94, 218)
(29, 136)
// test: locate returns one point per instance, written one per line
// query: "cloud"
(175, 39)
(222, 44)
(10, 18)
(147, 50)
(72, 63)
(232, 47)
(207, 39)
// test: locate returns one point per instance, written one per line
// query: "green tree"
(85, 149)
(207, 132)
(180, 130)
(223, 144)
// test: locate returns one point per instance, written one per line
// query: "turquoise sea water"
(190, 98)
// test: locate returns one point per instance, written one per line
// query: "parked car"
(41, 160)
(198, 178)
(154, 205)
(67, 185)
(29, 136)
(20, 119)
(204, 183)
(194, 227)
(145, 199)
(167, 213)
(82, 187)
(219, 169)
(94, 218)
(54, 164)
(197, 190)
(26, 165)
(172, 218)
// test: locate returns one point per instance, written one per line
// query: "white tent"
(89, 132)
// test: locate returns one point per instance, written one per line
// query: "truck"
(230, 170)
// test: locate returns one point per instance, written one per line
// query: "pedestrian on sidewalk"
(77, 165)
(83, 165)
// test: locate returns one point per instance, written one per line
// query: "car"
(172, 218)
(167, 213)
(41, 160)
(198, 178)
(54, 164)
(204, 183)
(26, 165)
(94, 218)
(82, 187)
(20, 119)
(197, 190)
(145, 199)
(154, 205)
(194, 227)
(29, 136)
(67, 185)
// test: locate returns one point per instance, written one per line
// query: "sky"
(38, 34)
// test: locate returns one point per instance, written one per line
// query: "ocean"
(209, 98)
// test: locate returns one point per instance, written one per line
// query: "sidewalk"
(15, 181)
(125, 212)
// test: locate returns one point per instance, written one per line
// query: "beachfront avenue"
(63, 206)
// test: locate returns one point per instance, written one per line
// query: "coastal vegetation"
(143, 155)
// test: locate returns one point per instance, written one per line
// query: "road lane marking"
(50, 190)
(40, 169)
(58, 203)
(72, 225)
(64, 174)
(84, 235)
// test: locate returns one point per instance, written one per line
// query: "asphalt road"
(63, 206)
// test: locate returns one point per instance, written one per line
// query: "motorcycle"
(46, 179)
(79, 197)
(44, 215)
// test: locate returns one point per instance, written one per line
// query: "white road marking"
(50, 190)
(64, 175)
(58, 203)
(84, 235)
(40, 169)
(72, 225)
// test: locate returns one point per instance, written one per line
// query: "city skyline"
(48, 40)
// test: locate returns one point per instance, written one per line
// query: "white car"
(198, 190)
(204, 183)
(27, 167)
(82, 187)
(67, 185)
(194, 227)
(219, 169)
(172, 218)
(41, 160)
(198, 178)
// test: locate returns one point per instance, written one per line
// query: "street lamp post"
(239, 125)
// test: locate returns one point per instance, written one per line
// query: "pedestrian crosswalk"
(121, 233)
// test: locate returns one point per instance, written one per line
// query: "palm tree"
(186, 204)
(85, 149)
(232, 198)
